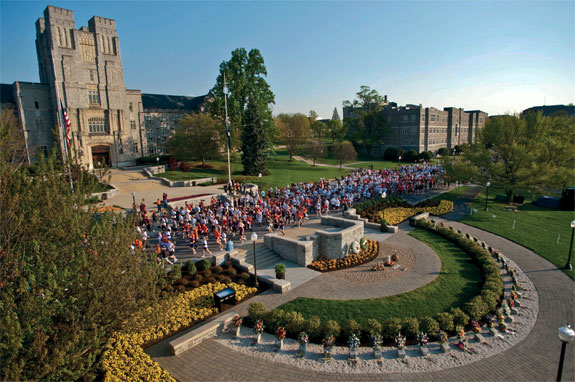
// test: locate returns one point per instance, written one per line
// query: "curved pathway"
(534, 359)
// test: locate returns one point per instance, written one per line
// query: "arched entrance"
(101, 154)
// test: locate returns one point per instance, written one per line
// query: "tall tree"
(254, 142)
(245, 77)
(68, 279)
(337, 130)
(312, 117)
(197, 138)
(532, 151)
(367, 127)
(294, 131)
(316, 149)
(335, 115)
(344, 152)
(318, 130)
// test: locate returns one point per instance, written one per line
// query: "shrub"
(185, 166)
(391, 327)
(491, 299)
(425, 155)
(331, 327)
(313, 327)
(294, 322)
(410, 156)
(391, 153)
(445, 321)
(459, 317)
(220, 278)
(256, 311)
(210, 280)
(226, 280)
(476, 308)
(205, 264)
(176, 272)
(199, 276)
(191, 267)
(373, 327)
(443, 151)
(217, 269)
(429, 325)
(274, 319)
(280, 268)
(410, 327)
(207, 273)
(231, 272)
(352, 327)
(194, 283)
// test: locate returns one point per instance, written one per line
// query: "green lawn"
(458, 282)
(452, 195)
(545, 231)
(282, 172)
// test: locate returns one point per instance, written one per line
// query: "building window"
(133, 124)
(39, 125)
(151, 150)
(131, 107)
(423, 118)
(97, 125)
(92, 75)
(405, 119)
(135, 147)
(94, 97)
(413, 118)
(433, 118)
(43, 150)
(36, 105)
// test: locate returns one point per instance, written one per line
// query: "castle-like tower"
(82, 69)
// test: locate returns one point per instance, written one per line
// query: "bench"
(423, 215)
(203, 331)
(510, 208)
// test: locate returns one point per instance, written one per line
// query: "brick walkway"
(534, 359)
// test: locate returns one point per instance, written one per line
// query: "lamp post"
(254, 238)
(399, 159)
(487, 194)
(134, 197)
(157, 161)
(226, 93)
(568, 265)
(566, 335)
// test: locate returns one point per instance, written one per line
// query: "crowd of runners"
(228, 218)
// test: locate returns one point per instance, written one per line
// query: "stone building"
(82, 69)
(413, 127)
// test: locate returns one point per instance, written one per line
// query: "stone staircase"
(266, 260)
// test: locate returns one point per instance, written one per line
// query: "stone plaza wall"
(332, 245)
(335, 245)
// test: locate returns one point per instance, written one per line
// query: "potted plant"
(303, 339)
(237, 322)
(353, 344)
(280, 271)
(280, 336)
(376, 342)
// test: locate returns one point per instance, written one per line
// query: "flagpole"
(227, 133)
(60, 108)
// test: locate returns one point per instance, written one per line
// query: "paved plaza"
(534, 359)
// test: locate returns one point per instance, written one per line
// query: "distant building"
(552, 110)
(413, 127)
(82, 69)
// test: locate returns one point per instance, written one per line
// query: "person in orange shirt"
(218, 236)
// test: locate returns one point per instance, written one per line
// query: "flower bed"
(365, 255)
(397, 210)
(125, 359)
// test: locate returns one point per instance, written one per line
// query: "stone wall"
(335, 245)
(297, 251)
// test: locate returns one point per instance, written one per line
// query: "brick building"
(413, 127)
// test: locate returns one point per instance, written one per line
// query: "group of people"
(230, 217)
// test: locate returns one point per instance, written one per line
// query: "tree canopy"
(245, 77)
(197, 138)
(344, 152)
(68, 279)
(367, 125)
(294, 131)
(515, 152)
(254, 142)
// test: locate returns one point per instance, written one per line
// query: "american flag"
(228, 132)
(67, 125)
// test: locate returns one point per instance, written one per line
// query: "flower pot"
(424, 350)
(279, 344)
(257, 338)
(238, 331)
(445, 347)
(353, 354)
(401, 353)
(281, 276)
(302, 349)
(377, 353)
(493, 331)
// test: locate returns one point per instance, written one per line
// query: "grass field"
(282, 172)
(452, 195)
(545, 231)
(458, 282)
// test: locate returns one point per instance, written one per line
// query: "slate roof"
(164, 101)
(6, 94)
(552, 109)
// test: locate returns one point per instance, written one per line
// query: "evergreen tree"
(254, 142)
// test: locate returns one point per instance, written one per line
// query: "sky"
(499, 57)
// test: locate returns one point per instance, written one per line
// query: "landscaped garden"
(469, 287)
